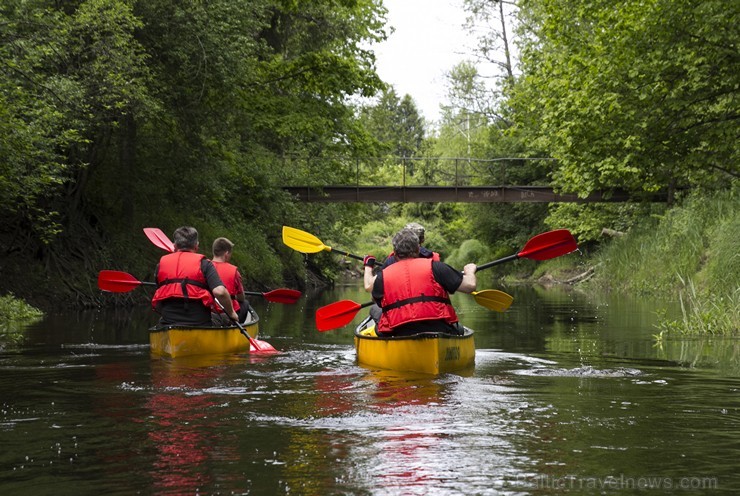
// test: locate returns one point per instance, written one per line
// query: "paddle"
(159, 238)
(493, 299)
(308, 243)
(280, 295)
(255, 345)
(337, 314)
(544, 246)
(342, 312)
(122, 282)
(119, 282)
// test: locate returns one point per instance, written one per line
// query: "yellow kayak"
(426, 352)
(177, 340)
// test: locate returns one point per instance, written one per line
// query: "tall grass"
(13, 313)
(704, 313)
(12, 308)
(690, 253)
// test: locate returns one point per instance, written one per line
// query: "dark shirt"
(447, 277)
(190, 312)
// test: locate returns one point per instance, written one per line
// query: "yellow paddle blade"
(495, 300)
(302, 241)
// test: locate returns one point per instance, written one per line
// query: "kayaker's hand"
(234, 316)
(368, 261)
(470, 269)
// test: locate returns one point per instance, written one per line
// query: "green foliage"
(587, 220)
(115, 115)
(14, 314)
(394, 124)
(634, 95)
(464, 127)
(470, 250)
(14, 309)
(723, 257)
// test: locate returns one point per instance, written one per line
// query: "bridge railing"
(415, 171)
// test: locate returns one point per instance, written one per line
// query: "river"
(571, 393)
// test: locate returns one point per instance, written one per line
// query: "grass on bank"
(12, 312)
(691, 253)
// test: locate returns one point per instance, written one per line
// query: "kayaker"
(423, 251)
(187, 282)
(369, 278)
(231, 277)
(414, 292)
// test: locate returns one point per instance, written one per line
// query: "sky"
(428, 42)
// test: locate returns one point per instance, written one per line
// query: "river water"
(571, 393)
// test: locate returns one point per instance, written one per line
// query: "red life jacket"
(179, 276)
(227, 272)
(411, 294)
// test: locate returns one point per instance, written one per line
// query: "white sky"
(428, 41)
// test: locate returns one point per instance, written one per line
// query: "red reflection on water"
(181, 431)
(333, 400)
(410, 445)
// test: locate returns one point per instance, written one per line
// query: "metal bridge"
(433, 180)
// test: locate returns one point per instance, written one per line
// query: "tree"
(494, 44)
(116, 114)
(464, 117)
(636, 95)
(395, 124)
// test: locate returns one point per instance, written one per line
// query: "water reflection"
(181, 425)
(411, 434)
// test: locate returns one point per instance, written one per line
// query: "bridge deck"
(459, 194)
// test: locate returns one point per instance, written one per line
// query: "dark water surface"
(570, 393)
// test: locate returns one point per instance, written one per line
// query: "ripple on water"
(585, 371)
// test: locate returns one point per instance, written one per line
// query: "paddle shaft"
(259, 346)
(544, 246)
(497, 262)
(347, 254)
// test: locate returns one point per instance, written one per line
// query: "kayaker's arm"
(469, 280)
(239, 288)
(369, 276)
(223, 297)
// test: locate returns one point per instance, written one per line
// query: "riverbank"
(689, 254)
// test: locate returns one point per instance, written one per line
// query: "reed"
(690, 253)
(705, 314)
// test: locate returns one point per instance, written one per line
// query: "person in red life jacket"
(369, 277)
(414, 292)
(423, 251)
(232, 279)
(187, 283)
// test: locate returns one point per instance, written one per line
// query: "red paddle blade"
(258, 346)
(283, 295)
(549, 245)
(117, 282)
(336, 315)
(159, 238)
